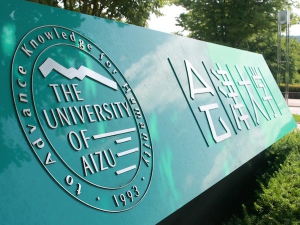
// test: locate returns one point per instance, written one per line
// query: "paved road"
(294, 106)
(294, 102)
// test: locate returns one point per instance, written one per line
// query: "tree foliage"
(294, 60)
(135, 12)
(230, 22)
(265, 43)
(246, 24)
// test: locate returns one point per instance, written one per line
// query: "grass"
(296, 117)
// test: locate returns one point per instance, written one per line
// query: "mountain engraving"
(79, 73)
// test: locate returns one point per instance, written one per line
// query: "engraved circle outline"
(27, 137)
(48, 139)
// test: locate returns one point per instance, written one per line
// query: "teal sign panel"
(107, 123)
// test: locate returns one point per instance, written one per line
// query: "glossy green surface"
(182, 158)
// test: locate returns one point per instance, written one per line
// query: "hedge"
(292, 87)
(278, 199)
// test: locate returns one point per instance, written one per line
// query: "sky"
(167, 22)
(295, 30)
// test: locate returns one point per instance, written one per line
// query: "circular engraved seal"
(82, 118)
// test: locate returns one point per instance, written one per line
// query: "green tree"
(246, 24)
(265, 43)
(294, 60)
(135, 12)
(230, 22)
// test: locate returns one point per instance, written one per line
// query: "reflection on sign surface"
(244, 101)
(82, 119)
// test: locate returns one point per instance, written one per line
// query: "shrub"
(292, 87)
(278, 200)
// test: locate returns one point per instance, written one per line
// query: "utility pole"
(284, 19)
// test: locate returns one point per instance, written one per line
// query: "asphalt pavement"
(294, 106)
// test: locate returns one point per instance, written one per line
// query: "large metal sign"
(103, 122)
(53, 71)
